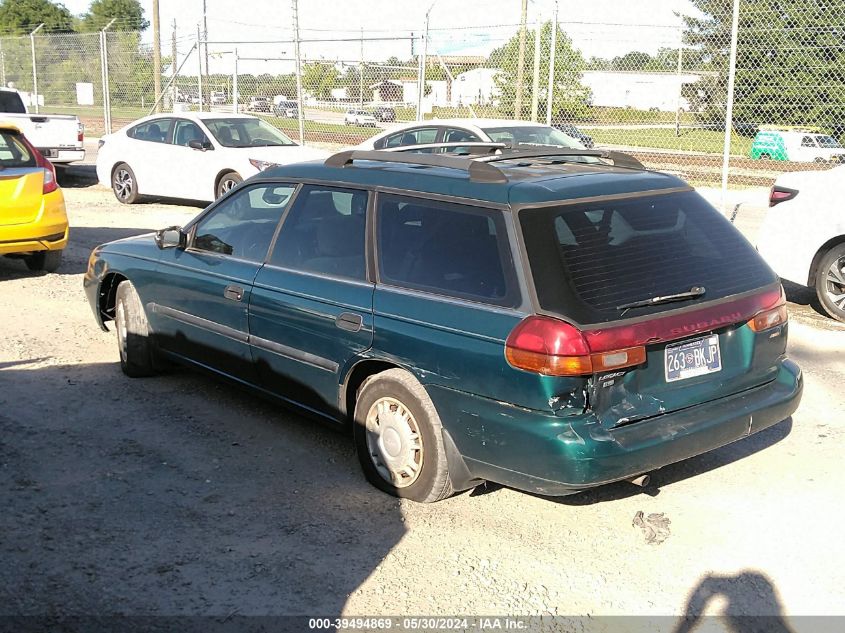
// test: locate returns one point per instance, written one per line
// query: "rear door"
(311, 310)
(21, 181)
(147, 152)
(604, 256)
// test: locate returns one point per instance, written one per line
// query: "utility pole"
(156, 56)
(520, 68)
(205, 46)
(173, 53)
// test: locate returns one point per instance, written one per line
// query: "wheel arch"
(219, 177)
(820, 253)
(107, 296)
(355, 377)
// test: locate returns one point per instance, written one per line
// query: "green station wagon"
(547, 318)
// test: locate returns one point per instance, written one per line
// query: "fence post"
(680, 87)
(423, 62)
(535, 83)
(199, 67)
(104, 52)
(34, 69)
(235, 85)
(726, 153)
(299, 104)
(550, 97)
(2, 65)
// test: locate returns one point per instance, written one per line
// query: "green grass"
(695, 140)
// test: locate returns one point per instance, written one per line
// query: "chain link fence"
(660, 90)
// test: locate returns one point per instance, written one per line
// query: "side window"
(154, 131)
(418, 136)
(808, 141)
(453, 135)
(446, 248)
(243, 225)
(325, 233)
(186, 131)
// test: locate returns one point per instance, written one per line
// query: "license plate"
(693, 358)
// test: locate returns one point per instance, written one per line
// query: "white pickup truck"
(58, 136)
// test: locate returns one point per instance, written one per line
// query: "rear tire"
(124, 184)
(48, 261)
(399, 439)
(133, 333)
(830, 282)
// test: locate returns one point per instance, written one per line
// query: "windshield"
(828, 141)
(535, 134)
(241, 132)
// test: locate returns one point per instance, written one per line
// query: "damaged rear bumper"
(551, 455)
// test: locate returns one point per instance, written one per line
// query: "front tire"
(228, 181)
(124, 184)
(398, 438)
(830, 282)
(47, 261)
(133, 333)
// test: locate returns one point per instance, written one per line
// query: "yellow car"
(33, 221)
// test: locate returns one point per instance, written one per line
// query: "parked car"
(384, 114)
(469, 130)
(573, 132)
(359, 117)
(258, 104)
(803, 234)
(195, 156)
(33, 221)
(287, 109)
(800, 147)
(58, 137)
(523, 319)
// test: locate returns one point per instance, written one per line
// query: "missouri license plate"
(693, 358)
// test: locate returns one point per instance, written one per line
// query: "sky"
(604, 28)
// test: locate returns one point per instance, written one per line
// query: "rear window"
(589, 259)
(13, 153)
(11, 102)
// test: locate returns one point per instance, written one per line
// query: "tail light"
(549, 346)
(772, 317)
(50, 181)
(80, 132)
(553, 347)
(779, 194)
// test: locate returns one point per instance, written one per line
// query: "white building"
(476, 86)
(638, 90)
(438, 94)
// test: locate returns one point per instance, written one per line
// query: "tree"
(790, 66)
(319, 78)
(18, 17)
(570, 95)
(129, 15)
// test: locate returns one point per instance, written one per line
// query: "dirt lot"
(178, 495)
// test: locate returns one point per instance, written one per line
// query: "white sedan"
(195, 156)
(469, 131)
(803, 235)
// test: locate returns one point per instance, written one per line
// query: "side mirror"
(171, 237)
(200, 145)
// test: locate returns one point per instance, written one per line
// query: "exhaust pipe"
(640, 480)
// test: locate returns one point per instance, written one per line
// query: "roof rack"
(478, 171)
(484, 147)
(620, 159)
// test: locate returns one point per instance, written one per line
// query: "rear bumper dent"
(557, 456)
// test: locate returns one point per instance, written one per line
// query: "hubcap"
(120, 321)
(123, 184)
(835, 283)
(394, 442)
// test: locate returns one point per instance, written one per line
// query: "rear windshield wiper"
(692, 293)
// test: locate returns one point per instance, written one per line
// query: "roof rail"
(620, 159)
(482, 146)
(478, 171)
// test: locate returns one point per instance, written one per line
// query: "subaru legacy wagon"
(549, 319)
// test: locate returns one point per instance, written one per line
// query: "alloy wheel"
(123, 184)
(835, 283)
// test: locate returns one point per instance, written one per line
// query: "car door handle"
(349, 322)
(235, 293)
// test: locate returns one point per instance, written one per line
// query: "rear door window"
(417, 136)
(589, 259)
(154, 131)
(445, 248)
(13, 153)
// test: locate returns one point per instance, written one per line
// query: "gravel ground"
(179, 495)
